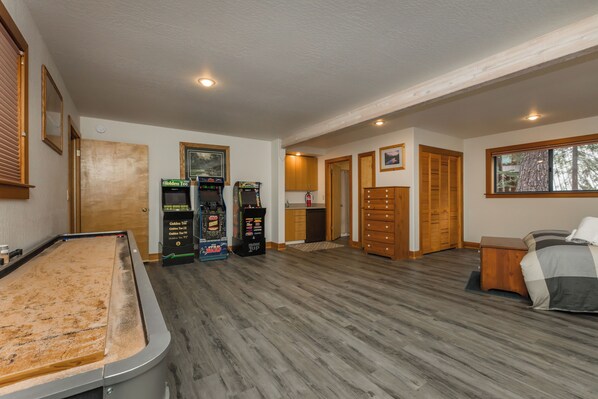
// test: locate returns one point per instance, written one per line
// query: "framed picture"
(204, 160)
(52, 107)
(392, 157)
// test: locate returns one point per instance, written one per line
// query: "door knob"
(144, 209)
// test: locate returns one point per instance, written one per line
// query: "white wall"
(515, 217)
(250, 160)
(26, 223)
(392, 178)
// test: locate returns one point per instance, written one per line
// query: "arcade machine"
(176, 229)
(210, 219)
(248, 219)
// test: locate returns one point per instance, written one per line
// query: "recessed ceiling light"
(206, 82)
(533, 117)
(379, 122)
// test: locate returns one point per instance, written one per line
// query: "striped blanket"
(560, 275)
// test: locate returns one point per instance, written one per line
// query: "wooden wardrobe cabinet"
(440, 199)
(301, 173)
(386, 221)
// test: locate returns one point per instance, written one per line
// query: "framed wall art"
(204, 160)
(52, 110)
(392, 157)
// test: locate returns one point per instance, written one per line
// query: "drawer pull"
(386, 190)
(369, 245)
(368, 235)
(386, 238)
(386, 249)
(369, 214)
(386, 215)
(385, 226)
(370, 225)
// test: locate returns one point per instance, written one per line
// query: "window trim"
(539, 145)
(13, 190)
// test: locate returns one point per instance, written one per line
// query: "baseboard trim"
(471, 245)
(355, 244)
(415, 254)
(153, 257)
(276, 246)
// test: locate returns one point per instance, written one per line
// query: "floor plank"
(340, 324)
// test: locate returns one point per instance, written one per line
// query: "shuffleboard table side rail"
(137, 372)
(157, 333)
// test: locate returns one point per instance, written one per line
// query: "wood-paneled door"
(332, 169)
(114, 189)
(440, 199)
(74, 193)
(366, 171)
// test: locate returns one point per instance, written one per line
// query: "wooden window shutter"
(11, 151)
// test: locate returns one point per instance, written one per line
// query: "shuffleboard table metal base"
(143, 375)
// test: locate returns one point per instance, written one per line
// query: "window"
(14, 179)
(558, 168)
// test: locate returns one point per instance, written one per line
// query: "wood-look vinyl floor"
(340, 324)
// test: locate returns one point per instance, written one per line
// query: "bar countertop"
(302, 206)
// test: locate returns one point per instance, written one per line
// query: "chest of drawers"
(386, 221)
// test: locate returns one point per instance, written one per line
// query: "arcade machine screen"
(249, 198)
(176, 198)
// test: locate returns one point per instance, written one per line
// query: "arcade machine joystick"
(210, 219)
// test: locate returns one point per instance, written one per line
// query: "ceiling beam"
(567, 43)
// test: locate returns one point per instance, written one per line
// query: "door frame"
(327, 170)
(360, 189)
(74, 170)
(459, 156)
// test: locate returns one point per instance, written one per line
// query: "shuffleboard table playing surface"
(54, 310)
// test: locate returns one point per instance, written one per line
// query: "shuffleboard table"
(80, 320)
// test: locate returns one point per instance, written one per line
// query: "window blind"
(10, 138)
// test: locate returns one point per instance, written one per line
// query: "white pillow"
(587, 231)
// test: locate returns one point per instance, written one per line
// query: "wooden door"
(74, 193)
(335, 201)
(114, 189)
(441, 212)
(367, 178)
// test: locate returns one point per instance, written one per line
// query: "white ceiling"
(565, 92)
(281, 66)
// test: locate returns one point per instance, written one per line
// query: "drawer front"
(379, 193)
(374, 225)
(379, 204)
(379, 248)
(378, 215)
(379, 236)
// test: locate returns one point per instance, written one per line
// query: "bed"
(560, 275)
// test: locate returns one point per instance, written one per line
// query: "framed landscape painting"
(204, 160)
(52, 105)
(392, 157)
